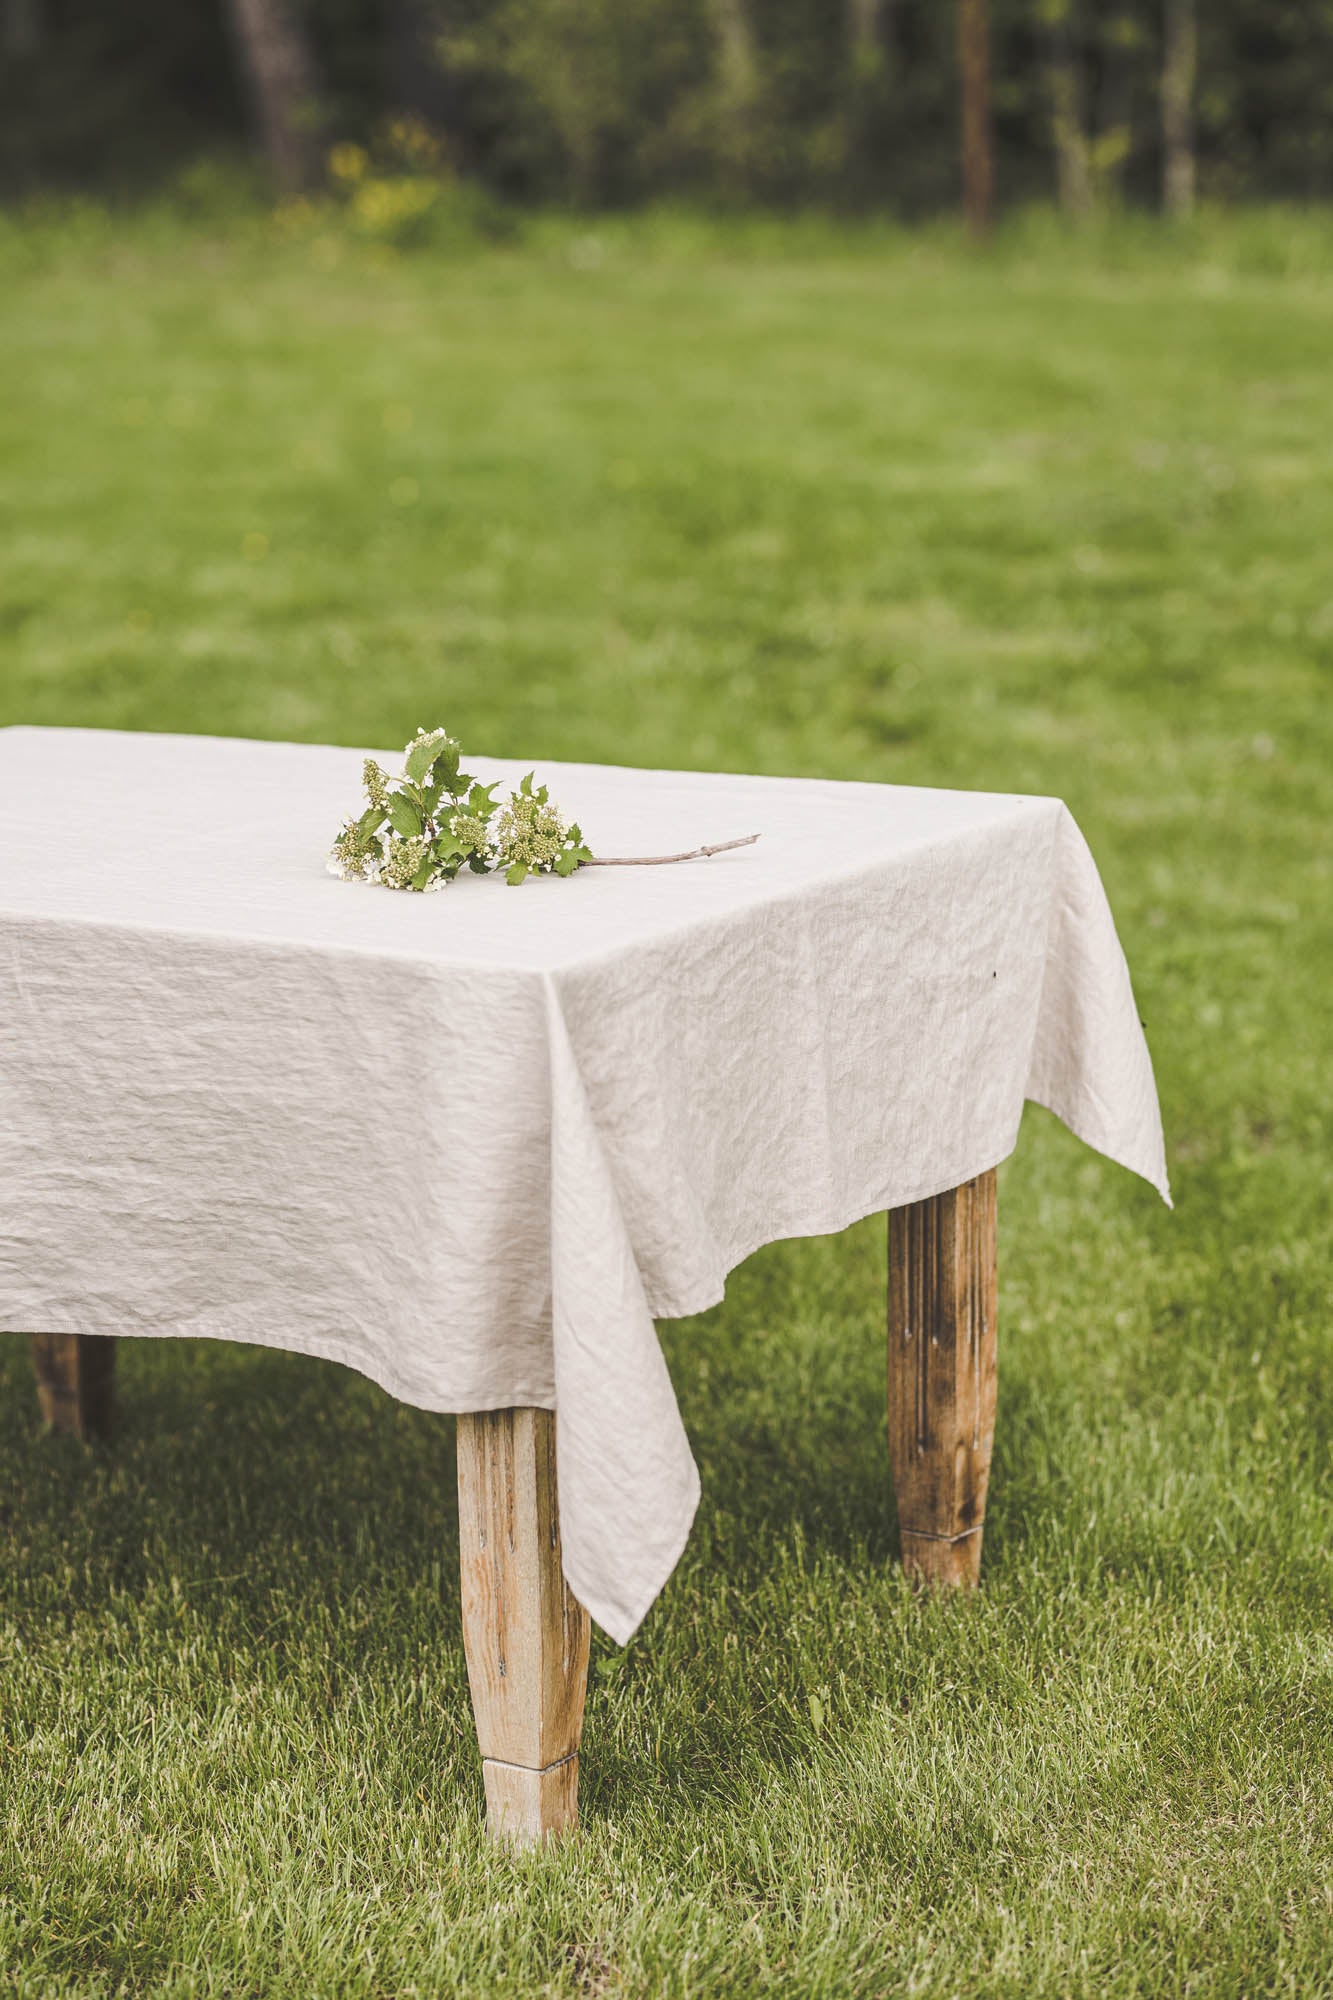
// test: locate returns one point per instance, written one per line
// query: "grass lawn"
(1057, 519)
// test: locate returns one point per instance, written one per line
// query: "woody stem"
(659, 860)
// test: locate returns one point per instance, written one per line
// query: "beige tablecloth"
(473, 1143)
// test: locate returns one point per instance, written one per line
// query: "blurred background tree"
(276, 60)
(614, 102)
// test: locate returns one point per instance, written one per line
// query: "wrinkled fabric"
(473, 1144)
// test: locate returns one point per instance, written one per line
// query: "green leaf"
(369, 820)
(479, 800)
(566, 863)
(514, 875)
(405, 814)
(424, 873)
(423, 754)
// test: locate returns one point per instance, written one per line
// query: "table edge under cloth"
(1087, 1062)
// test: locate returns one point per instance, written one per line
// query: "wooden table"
(526, 1636)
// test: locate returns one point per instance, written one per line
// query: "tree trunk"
(864, 40)
(22, 27)
(417, 81)
(281, 74)
(865, 108)
(738, 89)
(738, 65)
(1180, 56)
(1072, 149)
(978, 147)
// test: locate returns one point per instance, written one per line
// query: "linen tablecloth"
(472, 1143)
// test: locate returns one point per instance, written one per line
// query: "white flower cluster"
(472, 831)
(376, 781)
(354, 857)
(401, 860)
(530, 831)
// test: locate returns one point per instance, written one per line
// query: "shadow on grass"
(293, 1499)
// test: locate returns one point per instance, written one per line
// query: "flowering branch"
(420, 829)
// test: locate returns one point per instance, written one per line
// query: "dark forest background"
(853, 103)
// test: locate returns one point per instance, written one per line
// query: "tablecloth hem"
(621, 1622)
(457, 1404)
(1155, 1176)
(714, 1293)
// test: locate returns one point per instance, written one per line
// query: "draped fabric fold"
(629, 1486)
(474, 1144)
(1088, 1065)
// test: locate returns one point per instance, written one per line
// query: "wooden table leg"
(75, 1379)
(525, 1634)
(942, 1298)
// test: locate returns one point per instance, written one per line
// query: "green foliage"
(443, 818)
(432, 108)
(405, 814)
(823, 501)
